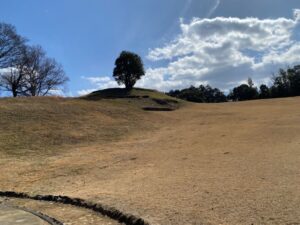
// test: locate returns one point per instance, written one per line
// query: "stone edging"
(110, 212)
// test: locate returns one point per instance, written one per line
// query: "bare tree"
(12, 78)
(11, 45)
(41, 74)
(26, 70)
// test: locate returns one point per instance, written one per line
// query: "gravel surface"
(13, 216)
(69, 215)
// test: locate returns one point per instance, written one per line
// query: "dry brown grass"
(232, 163)
(48, 125)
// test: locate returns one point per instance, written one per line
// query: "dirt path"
(234, 163)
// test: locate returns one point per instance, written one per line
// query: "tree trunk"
(14, 90)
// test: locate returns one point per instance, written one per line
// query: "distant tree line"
(201, 94)
(26, 70)
(285, 84)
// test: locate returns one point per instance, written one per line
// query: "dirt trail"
(234, 163)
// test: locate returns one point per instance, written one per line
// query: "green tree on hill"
(244, 92)
(286, 83)
(264, 91)
(128, 69)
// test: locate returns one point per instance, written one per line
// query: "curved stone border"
(110, 212)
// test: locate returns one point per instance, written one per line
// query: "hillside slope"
(231, 163)
(44, 125)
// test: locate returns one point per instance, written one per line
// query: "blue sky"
(86, 36)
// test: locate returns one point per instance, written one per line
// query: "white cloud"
(225, 51)
(222, 52)
(297, 14)
(85, 91)
(97, 79)
(214, 8)
(99, 83)
(57, 92)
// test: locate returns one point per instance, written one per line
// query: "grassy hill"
(228, 163)
(113, 93)
(50, 124)
(144, 98)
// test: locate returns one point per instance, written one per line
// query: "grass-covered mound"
(113, 93)
(145, 98)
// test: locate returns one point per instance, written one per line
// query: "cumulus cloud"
(225, 51)
(297, 14)
(222, 51)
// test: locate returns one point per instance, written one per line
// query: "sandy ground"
(233, 163)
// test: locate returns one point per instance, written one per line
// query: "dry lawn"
(232, 163)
